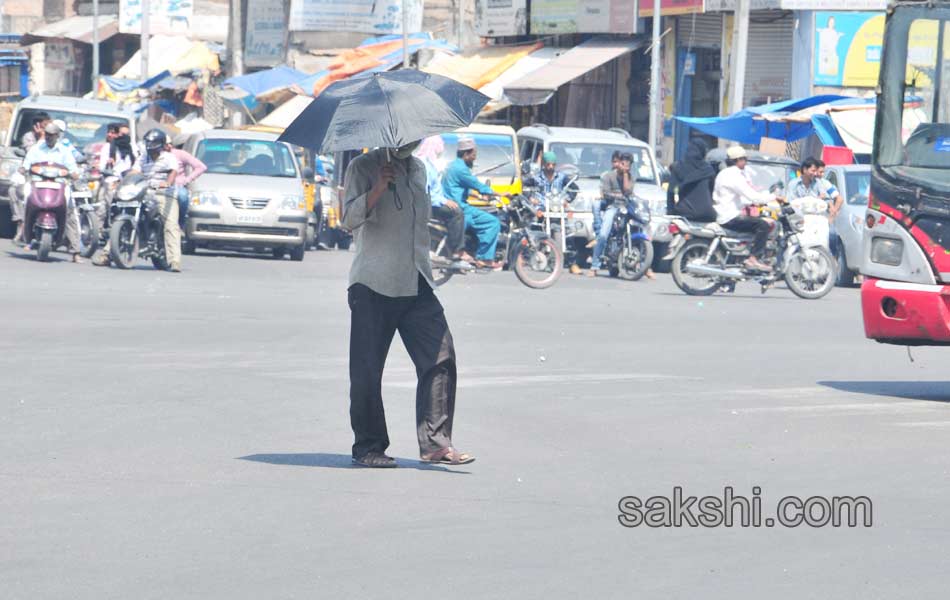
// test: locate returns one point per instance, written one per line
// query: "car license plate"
(125, 204)
(250, 219)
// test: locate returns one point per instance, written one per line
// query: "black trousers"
(420, 321)
(454, 220)
(758, 227)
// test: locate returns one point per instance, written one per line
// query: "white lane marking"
(519, 380)
(863, 407)
(929, 424)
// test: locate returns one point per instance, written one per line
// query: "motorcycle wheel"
(694, 285)
(45, 247)
(633, 262)
(811, 273)
(122, 250)
(157, 242)
(441, 272)
(88, 234)
(546, 260)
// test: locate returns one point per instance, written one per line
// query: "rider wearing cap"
(51, 150)
(457, 182)
(732, 193)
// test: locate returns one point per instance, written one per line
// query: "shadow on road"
(31, 256)
(741, 296)
(338, 461)
(934, 391)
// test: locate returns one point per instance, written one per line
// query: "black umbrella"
(384, 110)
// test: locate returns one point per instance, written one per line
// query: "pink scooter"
(45, 218)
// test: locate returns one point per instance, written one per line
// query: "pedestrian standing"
(390, 289)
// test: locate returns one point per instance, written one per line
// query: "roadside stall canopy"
(285, 114)
(525, 65)
(269, 80)
(373, 55)
(481, 66)
(174, 54)
(538, 86)
(750, 125)
(78, 29)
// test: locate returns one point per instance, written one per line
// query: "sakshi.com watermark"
(736, 510)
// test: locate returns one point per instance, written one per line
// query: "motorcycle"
(523, 245)
(709, 258)
(46, 208)
(629, 251)
(86, 199)
(559, 220)
(138, 227)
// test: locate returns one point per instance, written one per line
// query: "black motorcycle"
(523, 245)
(629, 251)
(138, 226)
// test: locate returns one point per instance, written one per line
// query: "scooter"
(46, 210)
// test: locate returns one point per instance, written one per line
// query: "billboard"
(380, 17)
(265, 36)
(165, 16)
(494, 18)
(583, 16)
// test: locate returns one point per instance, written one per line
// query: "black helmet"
(155, 139)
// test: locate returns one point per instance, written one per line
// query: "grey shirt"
(392, 244)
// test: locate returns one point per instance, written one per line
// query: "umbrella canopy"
(384, 110)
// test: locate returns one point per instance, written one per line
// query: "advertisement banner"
(165, 16)
(672, 7)
(265, 39)
(588, 16)
(494, 18)
(380, 17)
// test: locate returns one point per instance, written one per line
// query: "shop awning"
(284, 114)
(538, 87)
(479, 67)
(268, 80)
(525, 65)
(78, 29)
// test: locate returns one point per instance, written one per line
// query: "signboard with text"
(380, 17)
(587, 16)
(265, 36)
(495, 18)
(165, 16)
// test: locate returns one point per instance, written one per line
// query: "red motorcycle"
(45, 218)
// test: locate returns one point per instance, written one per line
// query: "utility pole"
(459, 31)
(236, 48)
(655, 102)
(143, 49)
(95, 46)
(405, 34)
(740, 43)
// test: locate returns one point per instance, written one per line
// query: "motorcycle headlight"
(206, 199)
(293, 202)
(129, 192)
(8, 168)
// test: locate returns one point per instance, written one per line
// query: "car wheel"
(298, 252)
(278, 253)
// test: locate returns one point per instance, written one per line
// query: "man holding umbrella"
(386, 205)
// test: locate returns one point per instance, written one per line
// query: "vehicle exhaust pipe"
(694, 269)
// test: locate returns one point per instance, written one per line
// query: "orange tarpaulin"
(356, 60)
(480, 67)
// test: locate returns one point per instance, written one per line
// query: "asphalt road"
(186, 436)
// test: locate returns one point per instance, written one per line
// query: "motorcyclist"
(457, 181)
(51, 150)
(161, 168)
(616, 186)
(116, 158)
(549, 181)
(447, 211)
(731, 194)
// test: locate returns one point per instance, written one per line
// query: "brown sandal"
(448, 456)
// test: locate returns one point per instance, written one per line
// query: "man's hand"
(452, 204)
(384, 177)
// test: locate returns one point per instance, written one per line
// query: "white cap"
(465, 144)
(736, 152)
(61, 124)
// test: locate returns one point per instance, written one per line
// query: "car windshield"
(81, 129)
(247, 157)
(765, 176)
(592, 160)
(495, 153)
(857, 185)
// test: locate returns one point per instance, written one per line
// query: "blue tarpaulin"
(748, 127)
(268, 80)
(120, 85)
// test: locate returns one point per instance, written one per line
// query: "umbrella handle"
(389, 160)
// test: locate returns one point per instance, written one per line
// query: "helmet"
(155, 139)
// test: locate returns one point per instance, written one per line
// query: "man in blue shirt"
(448, 212)
(51, 150)
(457, 181)
(550, 181)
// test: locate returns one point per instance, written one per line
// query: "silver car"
(250, 198)
(847, 237)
